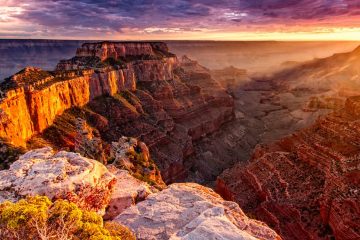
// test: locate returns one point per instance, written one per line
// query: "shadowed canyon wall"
(304, 186)
(121, 89)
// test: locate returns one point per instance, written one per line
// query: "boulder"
(191, 211)
(62, 175)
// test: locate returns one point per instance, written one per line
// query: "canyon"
(120, 89)
(253, 56)
(283, 146)
(304, 183)
(305, 186)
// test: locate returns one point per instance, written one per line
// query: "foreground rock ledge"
(191, 211)
(64, 175)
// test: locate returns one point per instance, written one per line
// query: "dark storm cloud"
(115, 15)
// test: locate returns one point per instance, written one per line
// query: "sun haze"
(180, 19)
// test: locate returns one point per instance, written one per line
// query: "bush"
(38, 218)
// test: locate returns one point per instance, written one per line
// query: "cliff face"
(29, 109)
(337, 75)
(305, 186)
(32, 98)
(121, 89)
(117, 50)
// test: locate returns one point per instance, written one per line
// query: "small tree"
(37, 218)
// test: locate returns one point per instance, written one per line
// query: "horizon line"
(185, 40)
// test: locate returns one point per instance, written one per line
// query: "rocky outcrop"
(171, 107)
(33, 98)
(88, 142)
(147, 61)
(63, 175)
(134, 156)
(316, 103)
(352, 106)
(190, 211)
(231, 77)
(305, 186)
(127, 192)
(182, 211)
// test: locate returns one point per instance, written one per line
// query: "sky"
(181, 19)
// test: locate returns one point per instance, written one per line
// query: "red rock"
(121, 89)
(305, 186)
(30, 108)
(116, 50)
(33, 98)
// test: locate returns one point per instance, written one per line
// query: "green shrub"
(38, 218)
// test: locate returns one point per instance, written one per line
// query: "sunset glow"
(181, 19)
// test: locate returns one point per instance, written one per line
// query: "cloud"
(95, 17)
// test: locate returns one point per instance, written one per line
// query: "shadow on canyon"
(283, 143)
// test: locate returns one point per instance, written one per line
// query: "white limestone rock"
(191, 211)
(63, 175)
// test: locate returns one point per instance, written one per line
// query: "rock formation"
(33, 98)
(182, 211)
(133, 155)
(63, 175)
(269, 108)
(88, 142)
(130, 89)
(117, 50)
(190, 211)
(305, 186)
(336, 75)
(127, 192)
(231, 77)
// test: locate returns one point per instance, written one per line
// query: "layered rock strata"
(168, 104)
(305, 186)
(117, 50)
(29, 108)
(32, 98)
(191, 211)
